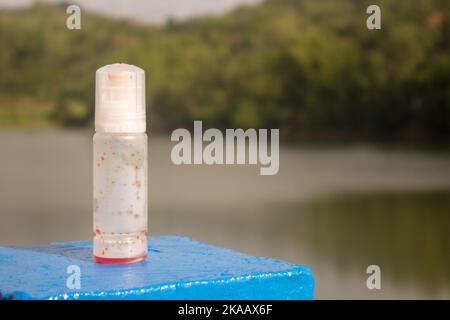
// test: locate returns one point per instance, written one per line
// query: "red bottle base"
(119, 260)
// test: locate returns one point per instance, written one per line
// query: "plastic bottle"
(120, 165)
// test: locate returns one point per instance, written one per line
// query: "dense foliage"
(308, 67)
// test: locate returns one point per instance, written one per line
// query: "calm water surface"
(337, 210)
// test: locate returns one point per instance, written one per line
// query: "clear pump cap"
(120, 98)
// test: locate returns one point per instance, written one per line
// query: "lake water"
(336, 209)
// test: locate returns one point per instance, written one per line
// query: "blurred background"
(364, 118)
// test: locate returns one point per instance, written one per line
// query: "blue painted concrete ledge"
(176, 268)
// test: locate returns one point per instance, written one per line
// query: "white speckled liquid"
(120, 197)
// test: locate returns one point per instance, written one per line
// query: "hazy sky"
(154, 11)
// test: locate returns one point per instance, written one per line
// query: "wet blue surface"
(176, 268)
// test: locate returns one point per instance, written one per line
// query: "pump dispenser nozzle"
(120, 99)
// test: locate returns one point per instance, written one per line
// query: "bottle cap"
(120, 98)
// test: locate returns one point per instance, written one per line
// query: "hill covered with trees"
(311, 68)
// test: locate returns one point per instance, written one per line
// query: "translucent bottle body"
(120, 197)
